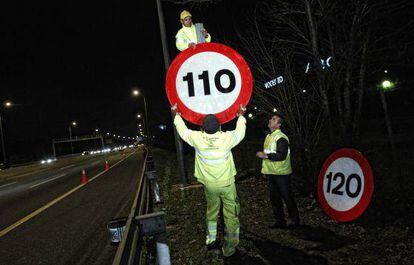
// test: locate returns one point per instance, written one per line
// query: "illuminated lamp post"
(6, 104)
(74, 124)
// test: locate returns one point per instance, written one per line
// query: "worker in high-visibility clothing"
(187, 37)
(215, 169)
(277, 168)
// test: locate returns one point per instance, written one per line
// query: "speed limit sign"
(209, 79)
(345, 185)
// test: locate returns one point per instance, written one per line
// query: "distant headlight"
(47, 161)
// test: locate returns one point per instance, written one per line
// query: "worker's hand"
(205, 33)
(241, 111)
(191, 45)
(174, 110)
(261, 155)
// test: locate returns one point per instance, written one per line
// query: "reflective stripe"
(232, 235)
(213, 162)
(210, 240)
(182, 40)
(207, 153)
(212, 227)
(237, 136)
(210, 161)
(272, 147)
(187, 133)
(268, 151)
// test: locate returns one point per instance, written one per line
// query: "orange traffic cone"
(84, 178)
(106, 165)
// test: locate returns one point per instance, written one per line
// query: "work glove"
(174, 110)
(241, 111)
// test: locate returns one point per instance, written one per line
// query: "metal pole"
(397, 165)
(178, 142)
(146, 122)
(53, 147)
(3, 147)
(70, 137)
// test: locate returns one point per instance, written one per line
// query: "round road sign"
(209, 79)
(345, 185)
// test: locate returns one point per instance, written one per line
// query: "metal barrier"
(140, 224)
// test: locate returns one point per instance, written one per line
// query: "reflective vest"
(185, 36)
(275, 167)
(214, 164)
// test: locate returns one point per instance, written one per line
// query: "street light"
(136, 93)
(387, 85)
(6, 104)
(74, 124)
(384, 87)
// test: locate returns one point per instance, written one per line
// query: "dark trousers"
(279, 189)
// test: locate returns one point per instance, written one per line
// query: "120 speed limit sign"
(209, 79)
(345, 185)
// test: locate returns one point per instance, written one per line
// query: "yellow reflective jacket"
(185, 36)
(214, 164)
(275, 167)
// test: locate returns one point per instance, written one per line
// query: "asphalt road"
(49, 218)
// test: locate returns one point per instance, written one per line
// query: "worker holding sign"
(277, 168)
(215, 169)
(187, 37)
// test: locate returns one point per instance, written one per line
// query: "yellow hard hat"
(185, 14)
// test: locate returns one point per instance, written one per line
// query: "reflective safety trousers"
(231, 210)
(214, 164)
(275, 167)
(185, 36)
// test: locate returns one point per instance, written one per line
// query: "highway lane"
(44, 186)
(72, 231)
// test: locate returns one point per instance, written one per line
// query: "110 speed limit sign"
(345, 185)
(209, 79)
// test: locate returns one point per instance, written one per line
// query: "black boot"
(213, 245)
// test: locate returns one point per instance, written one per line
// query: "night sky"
(76, 60)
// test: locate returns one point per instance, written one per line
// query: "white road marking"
(67, 166)
(8, 184)
(46, 181)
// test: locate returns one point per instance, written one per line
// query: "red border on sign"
(245, 90)
(361, 206)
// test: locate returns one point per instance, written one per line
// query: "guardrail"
(141, 224)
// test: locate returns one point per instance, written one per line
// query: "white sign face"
(208, 83)
(343, 184)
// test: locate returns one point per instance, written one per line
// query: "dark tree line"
(282, 37)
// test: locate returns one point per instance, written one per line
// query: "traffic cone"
(106, 165)
(84, 178)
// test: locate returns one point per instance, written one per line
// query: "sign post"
(210, 78)
(345, 185)
(178, 142)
